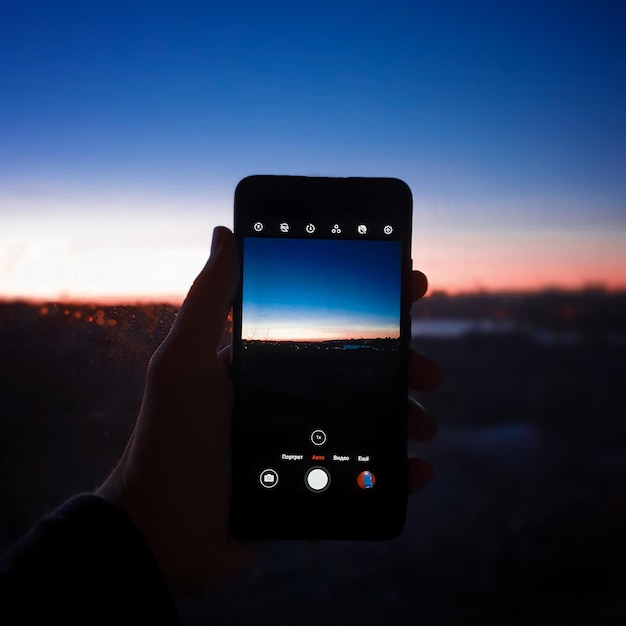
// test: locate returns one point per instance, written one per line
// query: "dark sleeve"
(84, 563)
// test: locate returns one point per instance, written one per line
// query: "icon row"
(310, 228)
(317, 479)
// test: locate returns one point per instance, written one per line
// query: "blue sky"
(124, 128)
(320, 289)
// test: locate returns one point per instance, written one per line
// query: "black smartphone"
(321, 330)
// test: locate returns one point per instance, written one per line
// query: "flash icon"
(361, 229)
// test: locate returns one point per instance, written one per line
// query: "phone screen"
(320, 361)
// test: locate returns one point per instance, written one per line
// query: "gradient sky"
(125, 127)
(320, 289)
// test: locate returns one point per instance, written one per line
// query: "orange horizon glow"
(105, 301)
(336, 336)
(177, 300)
(511, 278)
(522, 261)
(87, 261)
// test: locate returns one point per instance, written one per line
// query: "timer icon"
(310, 228)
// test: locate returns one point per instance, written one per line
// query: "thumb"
(201, 319)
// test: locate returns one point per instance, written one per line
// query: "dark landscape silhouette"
(352, 379)
(523, 522)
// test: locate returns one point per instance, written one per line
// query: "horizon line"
(312, 340)
(177, 301)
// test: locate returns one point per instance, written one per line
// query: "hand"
(424, 375)
(174, 477)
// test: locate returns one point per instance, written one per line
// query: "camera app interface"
(319, 362)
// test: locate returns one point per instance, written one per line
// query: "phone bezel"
(375, 200)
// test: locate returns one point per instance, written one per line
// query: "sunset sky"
(125, 127)
(320, 289)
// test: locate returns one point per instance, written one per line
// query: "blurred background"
(126, 126)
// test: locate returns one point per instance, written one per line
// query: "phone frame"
(375, 201)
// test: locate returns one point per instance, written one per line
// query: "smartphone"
(321, 330)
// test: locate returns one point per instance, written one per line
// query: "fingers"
(421, 426)
(420, 474)
(424, 374)
(419, 285)
(202, 316)
(224, 355)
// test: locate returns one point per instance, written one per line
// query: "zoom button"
(318, 437)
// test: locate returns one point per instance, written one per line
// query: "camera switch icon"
(268, 478)
(284, 227)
